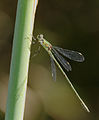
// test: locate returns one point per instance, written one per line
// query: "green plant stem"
(20, 59)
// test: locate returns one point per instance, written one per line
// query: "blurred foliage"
(74, 25)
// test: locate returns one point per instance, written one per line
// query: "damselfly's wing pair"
(72, 55)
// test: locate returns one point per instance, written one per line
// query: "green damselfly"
(55, 55)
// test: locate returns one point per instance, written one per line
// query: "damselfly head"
(40, 39)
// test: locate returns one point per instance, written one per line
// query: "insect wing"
(64, 63)
(73, 55)
(53, 68)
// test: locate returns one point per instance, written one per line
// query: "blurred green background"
(73, 25)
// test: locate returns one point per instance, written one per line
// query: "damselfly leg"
(36, 52)
(34, 42)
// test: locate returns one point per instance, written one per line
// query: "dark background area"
(73, 25)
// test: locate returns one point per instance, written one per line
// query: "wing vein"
(63, 62)
(73, 55)
(53, 69)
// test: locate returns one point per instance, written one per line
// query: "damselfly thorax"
(44, 43)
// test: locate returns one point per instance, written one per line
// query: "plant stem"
(20, 59)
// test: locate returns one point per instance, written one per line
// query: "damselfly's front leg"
(37, 51)
(33, 40)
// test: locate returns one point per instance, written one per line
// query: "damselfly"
(55, 55)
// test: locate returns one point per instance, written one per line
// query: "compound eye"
(40, 37)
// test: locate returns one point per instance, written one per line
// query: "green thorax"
(47, 46)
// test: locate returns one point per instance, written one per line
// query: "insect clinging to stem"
(55, 54)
